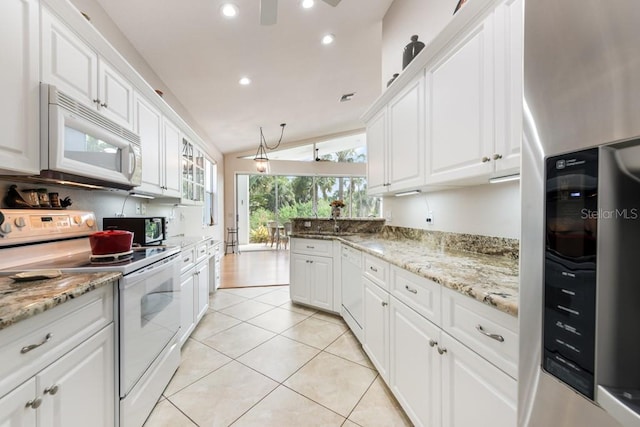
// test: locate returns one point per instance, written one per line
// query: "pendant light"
(261, 159)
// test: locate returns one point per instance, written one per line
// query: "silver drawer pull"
(413, 291)
(51, 390)
(496, 337)
(186, 260)
(34, 404)
(433, 343)
(375, 270)
(310, 247)
(28, 348)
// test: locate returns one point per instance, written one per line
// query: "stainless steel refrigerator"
(581, 90)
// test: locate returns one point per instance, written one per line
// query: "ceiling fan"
(269, 10)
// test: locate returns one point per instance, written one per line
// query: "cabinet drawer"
(188, 259)
(30, 345)
(377, 271)
(201, 251)
(312, 247)
(419, 293)
(487, 331)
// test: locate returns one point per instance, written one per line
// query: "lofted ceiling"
(201, 56)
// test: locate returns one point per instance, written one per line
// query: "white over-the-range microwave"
(81, 146)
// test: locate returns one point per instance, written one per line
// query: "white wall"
(488, 210)
(404, 18)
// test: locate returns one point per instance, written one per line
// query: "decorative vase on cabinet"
(411, 50)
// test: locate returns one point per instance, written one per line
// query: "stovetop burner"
(117, 258)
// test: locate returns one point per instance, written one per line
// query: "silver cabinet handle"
(34, 404)
(433, 343)
(310, 247)
(186, 260)
(441, 350)
(375, 270)
(486, 159)
(497, 156)
(496, 337)
(97, 101)
(51, 390)
(103, 105)
(28, 348)
(384, 304)
(413, 291)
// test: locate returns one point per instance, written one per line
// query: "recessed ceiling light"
(229, 10)
(245, 81)
(308, 4)
(328, 39)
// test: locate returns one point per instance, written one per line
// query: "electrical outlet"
(430, 217)
(388, 215)
(143, 209)
(137, 208)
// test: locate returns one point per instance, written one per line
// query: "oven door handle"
(154, 266)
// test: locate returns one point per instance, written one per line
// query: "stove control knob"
(5, 228)
(77, 219)
(20, 222)
(90, 223)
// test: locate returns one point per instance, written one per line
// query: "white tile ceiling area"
(201, 56)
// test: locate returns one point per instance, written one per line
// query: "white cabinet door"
(14, 411)
(376, 153)
(187, 315)
(172, 155)
(79, 388)
(460, 108)
(508, 84)
(376, 327)
(116, 95)
(406, 165)
(202, 289)
(415, 365)
(321, 282)
(67, 62)
(300, 287)
(19, 111)
(474, 392)
(148, 124)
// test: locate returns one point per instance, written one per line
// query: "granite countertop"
(491, 279)
(22, 300)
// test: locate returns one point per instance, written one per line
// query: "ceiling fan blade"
(268, 12)
(333, 3)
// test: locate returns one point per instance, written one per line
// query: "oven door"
(149, 317)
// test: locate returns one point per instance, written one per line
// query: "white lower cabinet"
(474, 392)
(376, 326)
(64, 380)
(194, 288)
(311, 275)
(415, 371)
(439, 379)
(78, 390)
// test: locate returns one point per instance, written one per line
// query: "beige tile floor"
(257, 359)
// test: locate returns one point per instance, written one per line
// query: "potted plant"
(336, 205)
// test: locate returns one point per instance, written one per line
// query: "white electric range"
(148, 295)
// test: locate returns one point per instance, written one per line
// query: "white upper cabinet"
(395, 142)
(76, 69)
(460, 108)
(509, 84)
(406, 137)
(115, 94)
(19, 113)
(160, 140)
(376, 153)
(454, 116)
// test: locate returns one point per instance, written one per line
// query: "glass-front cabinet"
(193, 173)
